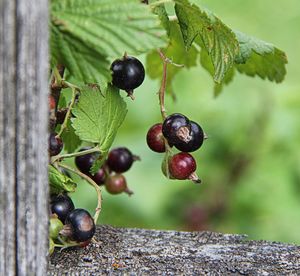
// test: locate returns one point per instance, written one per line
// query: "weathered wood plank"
(150, 252)
(23, 140)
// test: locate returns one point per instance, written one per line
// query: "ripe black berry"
(82, 225)
(155, 138)
(182, 165)
(55, 144)
(61, 115)
(176, 128)
(100, 176)
(61, 205)
(196, 141)
(117, 184)
(128, 73)
(120, 159)
(85, 162)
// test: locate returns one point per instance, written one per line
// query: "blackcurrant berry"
(61, 115)
(182, 165)
(55, 227)
(196, 141)
(85, 162)
(52, 103)
(128, 73)
(155, 138)
(61, 205)
(117, 184)
(100, 176)
(120, 159)
(176, 128)
(82, 225)
(55, 144)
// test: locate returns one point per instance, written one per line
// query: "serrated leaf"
(59, 182)
(218, 40)
(99, 115)
(176, 52)
(85, 33)
(70, 139)
(208, 66)
(163, 16)
(257, 57)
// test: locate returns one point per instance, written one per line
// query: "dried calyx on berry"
(128, 73)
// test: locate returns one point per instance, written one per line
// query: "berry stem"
(91, 182)
(64, 125)
(74, 154)
(162, 89)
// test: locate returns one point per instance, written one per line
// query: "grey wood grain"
(24, 134)
(152, 252)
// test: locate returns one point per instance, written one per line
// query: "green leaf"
(59, 182)
(84, 33)
(216, 38)
(98, 163)
(257, 57)
(208, 66)
(176, 52)
(98, 116)
(163, 16)
(70, 139)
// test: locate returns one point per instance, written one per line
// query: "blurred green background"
(250, 165)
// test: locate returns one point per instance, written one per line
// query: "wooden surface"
(148, 252)
(23, 137)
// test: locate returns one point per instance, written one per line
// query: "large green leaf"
(215, 37)
(85, 32)
(257, 57)
(99, 115)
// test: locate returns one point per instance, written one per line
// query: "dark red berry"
(196, 141)
(182, 165)
(61, 205)
(61, 115)
(85, 162)
(155, 138)
(81, 224)
(176, 128)
(128, 73)
(116, 184)
(120, 159)
(55, 144)
(100, 176)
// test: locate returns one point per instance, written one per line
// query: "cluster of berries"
(119, 160)
(68, 224)
(186, 136)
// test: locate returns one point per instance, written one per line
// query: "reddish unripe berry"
(52, 103)
(155, 138)
(117, 184)
(182, 165)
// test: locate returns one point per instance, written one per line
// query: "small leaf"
(70, 139)
(216, 38)
(98, 116)
(59, 182)
(257, 57)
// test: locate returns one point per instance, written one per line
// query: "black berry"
(128, 73)
(176, 128)
(120, 159)
(82, 225)
(196, 140)
(155, 138)
(182, 165)
(117, 184)
(100, 176)
(55, 144)
(85, 162)
(61, 115)
(61, 205)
